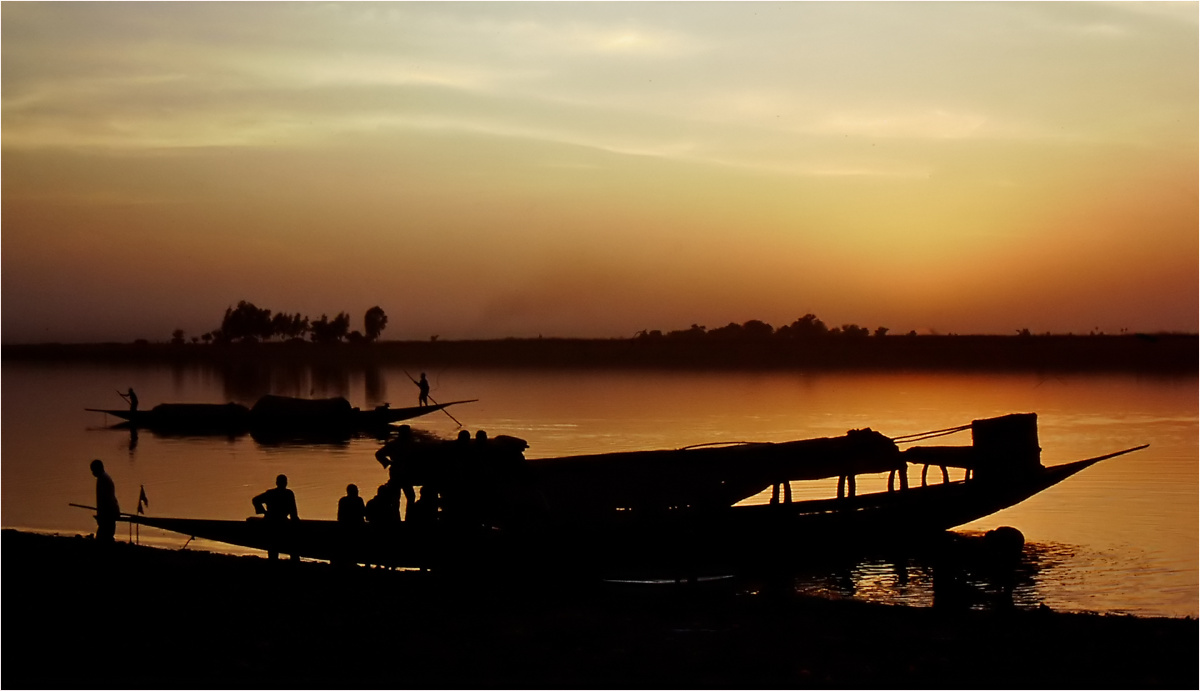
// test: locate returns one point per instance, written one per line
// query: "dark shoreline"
(1159, 354)
(78, 616)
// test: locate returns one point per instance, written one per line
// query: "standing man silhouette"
(277, 505)
(131, 397)
(423, 385)
(351, 513)
(397, 457)
(107, 508)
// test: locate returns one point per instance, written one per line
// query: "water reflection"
(937, 579)
(1120, 537)
(245, 382)
(262, 437)
(1062, 577)
(375, 386)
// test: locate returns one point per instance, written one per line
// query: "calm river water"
(1120, 537)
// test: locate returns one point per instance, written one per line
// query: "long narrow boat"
(528, 528)
(728, 537)
(271, 415)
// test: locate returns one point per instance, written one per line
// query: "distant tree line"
(247, 323)
(804, 328)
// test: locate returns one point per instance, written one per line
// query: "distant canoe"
(198, 417)
(270, 415)
(276, 412)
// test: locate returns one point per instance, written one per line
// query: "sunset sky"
(594, 169)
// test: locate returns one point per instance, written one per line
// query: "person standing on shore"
(351, 513)
(107, 508)
(277, 505)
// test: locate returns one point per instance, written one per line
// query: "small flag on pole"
(142, 500)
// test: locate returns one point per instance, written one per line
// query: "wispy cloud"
(830, 141)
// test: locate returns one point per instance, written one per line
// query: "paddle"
(410, 378)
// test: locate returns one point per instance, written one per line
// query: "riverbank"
(79, 616)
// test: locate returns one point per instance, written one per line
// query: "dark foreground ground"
(76, 616)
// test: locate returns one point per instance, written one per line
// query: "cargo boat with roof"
(679, 509)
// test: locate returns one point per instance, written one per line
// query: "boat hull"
(729, 538)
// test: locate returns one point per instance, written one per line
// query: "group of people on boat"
(459, 481)
(461, 478)
(384, 508)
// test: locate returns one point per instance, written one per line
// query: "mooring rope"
(902, 439)
(922, 436)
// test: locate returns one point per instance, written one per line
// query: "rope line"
(922, 436)
(902, 439)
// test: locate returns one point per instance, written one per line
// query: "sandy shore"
(79, 616)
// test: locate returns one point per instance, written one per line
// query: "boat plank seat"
(944, 457)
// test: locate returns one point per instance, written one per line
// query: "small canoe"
(198, 417)
(271, 415)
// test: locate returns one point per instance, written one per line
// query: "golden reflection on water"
(1122, 536)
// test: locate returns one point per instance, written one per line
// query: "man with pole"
(423, 385)
(425, 398)
(131, 397)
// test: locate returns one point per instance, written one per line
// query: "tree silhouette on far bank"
(248, 323)
(805, 328)
(328, 331)
(374, 322)
(289, 326)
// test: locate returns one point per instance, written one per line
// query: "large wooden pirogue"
(667, 507)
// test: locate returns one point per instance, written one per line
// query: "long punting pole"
(410, 378)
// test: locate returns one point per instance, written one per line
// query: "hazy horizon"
(591, 170)
(356, 325)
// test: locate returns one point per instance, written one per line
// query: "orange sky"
(594, 169)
